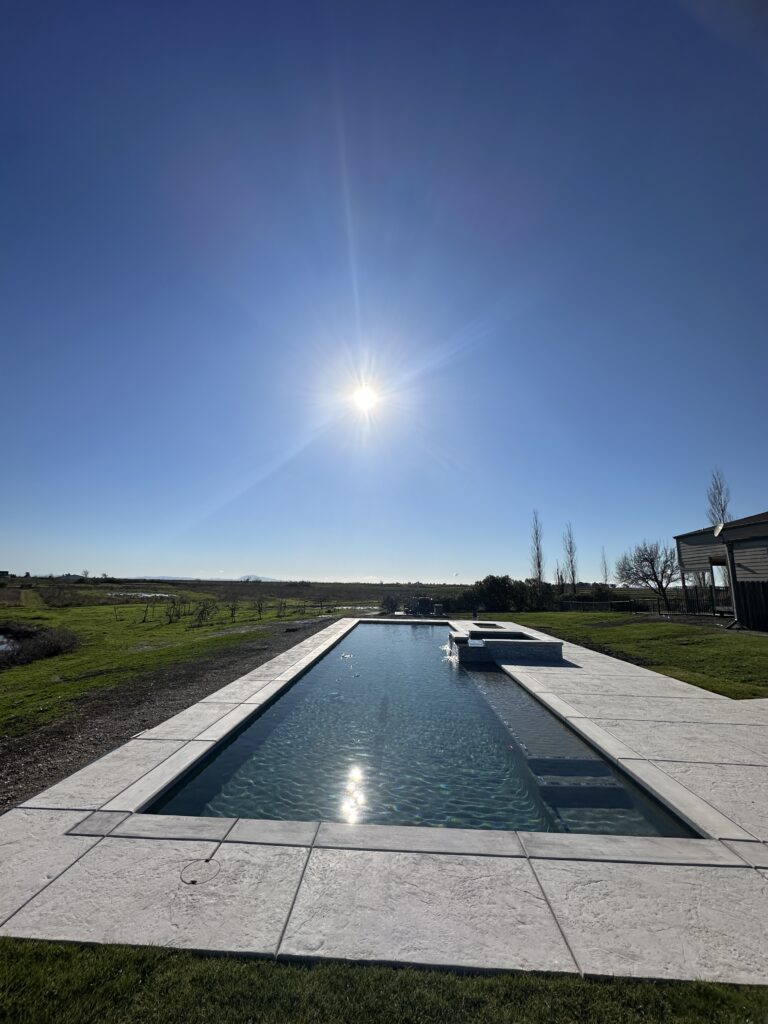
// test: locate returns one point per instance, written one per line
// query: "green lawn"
(734, 664)
(70, 984)
(115, 647)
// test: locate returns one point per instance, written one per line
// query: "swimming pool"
(387, 729)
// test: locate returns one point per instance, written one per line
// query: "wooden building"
(742, 547)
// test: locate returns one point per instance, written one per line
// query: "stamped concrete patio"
(81, 862)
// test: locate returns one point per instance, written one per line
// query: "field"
(116, 645)
(128, 635)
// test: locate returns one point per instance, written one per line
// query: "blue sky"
(537, 229)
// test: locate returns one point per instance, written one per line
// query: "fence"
(752, 601)
(701, 601)
(644, 604)
(753, 604)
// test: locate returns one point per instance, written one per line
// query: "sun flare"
(365, 398)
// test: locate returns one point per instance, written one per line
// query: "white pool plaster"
(81, 862)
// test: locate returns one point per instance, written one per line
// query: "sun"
(365, 398)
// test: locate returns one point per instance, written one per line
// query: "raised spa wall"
(479, 645)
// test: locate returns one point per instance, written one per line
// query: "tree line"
(648, 564)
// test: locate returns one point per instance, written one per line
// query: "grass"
(733, 664)
(115, 647)
(122, 985)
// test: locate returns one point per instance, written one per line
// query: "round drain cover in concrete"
(199, 871)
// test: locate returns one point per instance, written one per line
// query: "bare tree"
(604, 570)
(172, 610)
(718, 498)
(537, 552)
(559, 578)
(205, 611)
(653, 565)
(569, 551)
(85, 573)
(233, 604)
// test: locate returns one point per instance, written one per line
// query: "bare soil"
(104, 719)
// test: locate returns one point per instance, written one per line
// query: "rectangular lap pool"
(386, 729)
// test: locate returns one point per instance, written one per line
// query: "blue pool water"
(386, 729)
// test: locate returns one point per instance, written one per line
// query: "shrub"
(30, 643)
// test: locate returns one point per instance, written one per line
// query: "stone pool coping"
(81, 862)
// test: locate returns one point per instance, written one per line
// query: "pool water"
(386, 729)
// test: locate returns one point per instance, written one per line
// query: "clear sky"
(537, 229)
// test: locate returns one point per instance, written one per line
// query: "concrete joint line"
(729, 846)
(222, 841)
(85, 810)
(296, 894)
(50, 881)
(555, 918)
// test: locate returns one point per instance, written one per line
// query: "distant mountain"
(166, 579)
(203, 579)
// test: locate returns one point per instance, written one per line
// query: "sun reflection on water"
(354, 797)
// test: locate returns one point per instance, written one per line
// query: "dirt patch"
(104, 719)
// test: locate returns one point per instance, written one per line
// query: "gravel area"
(104, 719)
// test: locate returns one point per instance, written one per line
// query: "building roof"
(759, 521)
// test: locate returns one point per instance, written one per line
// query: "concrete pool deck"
(80, 861)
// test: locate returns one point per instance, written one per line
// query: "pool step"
(554, 775)
(568, 766)
(586, 796)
